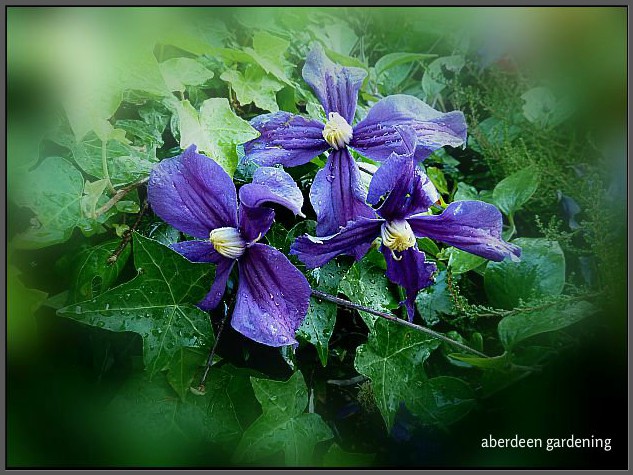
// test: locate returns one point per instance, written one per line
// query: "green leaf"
(438, 74)
(500, 362)
(283, 426)
(91, 274)
(158, 304)
(461, 261)
(337, 457)
(367, 285)
(269, 51)
(216, 130)
(438, 179)
(88, 109)
(184, 367)
(254, 86)
(540, 272)
(126, 163)
(319, 323)
(149, 417)
(435, 301)
(22, 303)
(92, 192)
(493, 132)
(181, 72)
(519, 326)
(441, 401)
(541, 107)
(514, 191)
(393, 358)
(53, 191)
(345, 60)
(391, 60)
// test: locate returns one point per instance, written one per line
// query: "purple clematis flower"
(196, 196)
(337, 194)
(473, 226)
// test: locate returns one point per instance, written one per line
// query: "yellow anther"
(228, 242)
(397, 236)
(337, 132)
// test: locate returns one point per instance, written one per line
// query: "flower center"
(228, 242)
(397, 235)
(337, 132)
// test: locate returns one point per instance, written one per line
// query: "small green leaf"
(283, 426)
(544, 109)
(517, 327)
(319, 323)
(393, 358)
(158, 304)
(269, 51)
(435, 300)
(461, 261)
(438, 74)
(92, 274)
(181, 72)
(391, 60)
(441, 401)
(438, 179)
(496, 362)
(254, 86)
(92, 193)
(367, 285)
(514, 191)
(184, 367)
(540, 272)
(53, 191)
(215, 130)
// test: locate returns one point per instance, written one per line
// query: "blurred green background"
(62, 377)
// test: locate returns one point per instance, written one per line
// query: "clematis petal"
(286, 139)
(335, 86)
(272, 185)
(337, 194)
(375, 136)
(355, 239)
(411, 272)
(193, 194)
(272, 297)
(222, 272)
(255, 222)
(472, 226)
(197, 251)
(407, 189)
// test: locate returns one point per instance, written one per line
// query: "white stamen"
(228, 242)
(337, 132)
(397, 236)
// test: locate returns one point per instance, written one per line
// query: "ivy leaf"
(147, 415)
(283, 426)
(92, 193)
(126, 164)
(541, 272)
(519, 326)
(367, 285)
(158, 304)
(441, 401)
(319, 323)
(183, 368)
(181, 72)
(268, 51)
(514, 191)
(216, 130)
(434, 301)
(254, 86)
(91, 274)
(393, 359)
(53, 191)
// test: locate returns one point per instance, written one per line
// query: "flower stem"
(127, 236)
(393, 318)
(104, 165)
(119, 195)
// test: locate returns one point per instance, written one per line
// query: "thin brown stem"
(118, 196)
(393, 318)
(127, 235)
(201, 386)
